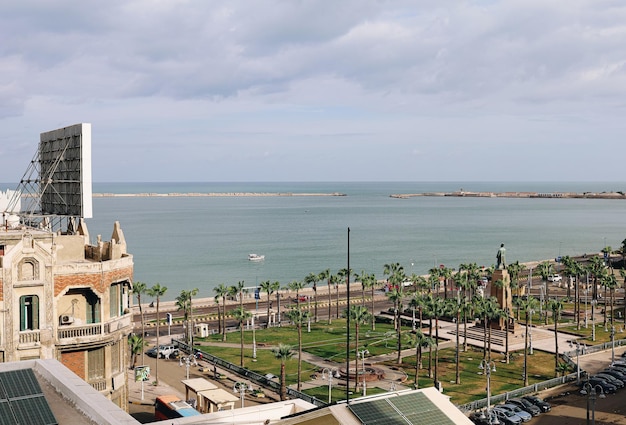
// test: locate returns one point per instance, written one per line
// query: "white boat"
(256, 257)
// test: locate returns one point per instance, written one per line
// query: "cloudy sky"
(320, 90)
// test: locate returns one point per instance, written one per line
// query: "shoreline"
(211, 194)
(550, 195)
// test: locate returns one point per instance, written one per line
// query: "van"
(167, 351)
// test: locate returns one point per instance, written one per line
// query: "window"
(29, 312)
(115, 357)
(92, 308)
(114, 294)
(95, 364)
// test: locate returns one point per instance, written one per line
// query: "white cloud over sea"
(304, 90)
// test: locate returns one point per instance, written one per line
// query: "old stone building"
(62, 298)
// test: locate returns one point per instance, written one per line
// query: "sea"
(200, 242)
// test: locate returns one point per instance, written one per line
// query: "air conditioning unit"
(66, 320)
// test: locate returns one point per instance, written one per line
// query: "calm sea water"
(199, 242)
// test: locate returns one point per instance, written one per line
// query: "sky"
(320, 90)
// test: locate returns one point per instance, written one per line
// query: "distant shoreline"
(213, 194)
(551, 195)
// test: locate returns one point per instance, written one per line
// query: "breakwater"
(551, 195)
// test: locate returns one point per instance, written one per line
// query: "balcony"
(93, 332)
(30, 337)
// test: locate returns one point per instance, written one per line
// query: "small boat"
(255, 257)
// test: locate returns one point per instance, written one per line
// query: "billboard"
(65, 171)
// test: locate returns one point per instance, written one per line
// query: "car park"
(506, 417)
(542, 404)
(525, 405)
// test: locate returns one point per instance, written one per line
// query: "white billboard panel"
(65, 171)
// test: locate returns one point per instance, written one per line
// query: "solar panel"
(411, 409)
(22, 401)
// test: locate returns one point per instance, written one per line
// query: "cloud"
(294, 84)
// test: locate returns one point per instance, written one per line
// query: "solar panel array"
(22, 401)
(408, 409)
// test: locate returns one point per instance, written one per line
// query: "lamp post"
(188, 361)
(362, 354)
(329, 373)
(241, 388)
(253, 339)
(578, 350)
(487, 367)
(593, 320)
(591, 393)
(612, 345)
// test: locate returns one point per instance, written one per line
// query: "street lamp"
(578, 351)
(362, 354)
(593, 319)
(591, 393)
(241, 388)
(487, 367)
(254, 339)
(329, 373)
(612, 345)
(188, 361)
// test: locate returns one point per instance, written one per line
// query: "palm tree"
(343, 277)
(137, 344)
(184, 303)
(563, 368)
(421, 341)
(528, 306)
(515, 269)
(545, 269)
(276, 289)
(370, 282)
(238, 290)
(266, 286)
(436, 308)
(502, 286)
(241, 315)
(362, 278)
(455, 307)
(325, 276)
(396, 294)
(312, 278)
(298, 317)
(283, 353)
(557, 308)
(157, 291)
(358, 315)
(333, 280)
(221, 291)
(296, 285)
(140, 288)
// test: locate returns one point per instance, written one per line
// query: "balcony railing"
(99, 385)
(29, 337)
(96, 329)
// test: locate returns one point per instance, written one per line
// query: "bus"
(171, 406)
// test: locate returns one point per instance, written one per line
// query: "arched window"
(29, 312)
(28, 269)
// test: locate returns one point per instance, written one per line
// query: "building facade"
(62, 298)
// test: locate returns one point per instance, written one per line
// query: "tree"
(266, 286)
(370, 282)
(358, 315)
(157, 291)
(276, 289)
(140, 288)
(325, 276)
(343, 276)
(455, 307)
(137, 344)
(221, 291)
(312, 278)
(296, 285)
(241, 315)
(421, 341)
(436, 307)
(545, 269)
(395, 295)
(557, 308)
(184, 303)
(283, 353)
(501, 284)
(298, 317)
(528, 306)
(237, 290)
(515, 269)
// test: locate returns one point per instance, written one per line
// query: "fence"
(247, 374)
(570, 358)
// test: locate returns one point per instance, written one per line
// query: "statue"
(501, 257)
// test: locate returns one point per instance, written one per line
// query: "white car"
(554, 278)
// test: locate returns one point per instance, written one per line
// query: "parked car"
(519, 412)
(542, 404)
(621, 375)
(506, 417)
(606, 386)
(613, 380)
(480, 418)
(164, 351)
(525, 405)
(554, 277)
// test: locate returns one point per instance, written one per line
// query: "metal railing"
(252, 376)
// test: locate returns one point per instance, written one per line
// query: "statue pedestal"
(505, 301)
